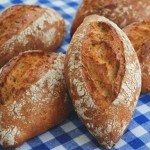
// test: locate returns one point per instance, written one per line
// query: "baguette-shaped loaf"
(33, 96)
(122, 12)
(103, 76)
(139, 35)
(25, 27)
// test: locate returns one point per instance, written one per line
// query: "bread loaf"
(25, 27)
(33, 96)
(122, 12)
(103, 76)
(139, 35)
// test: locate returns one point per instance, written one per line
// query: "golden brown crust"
(97, 47)
(17, 68)
(145, 66)
(33, 96)
(34, 27)
(17, 18)
(104, 93)
(122, 12)
(139, 35)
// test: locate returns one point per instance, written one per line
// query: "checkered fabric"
(72, 134)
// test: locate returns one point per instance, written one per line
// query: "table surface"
(72, 134)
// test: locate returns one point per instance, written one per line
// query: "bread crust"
(31, 100)
(139, 35)
(121, 12)
(145, 63)
(107, 114)
(34, 27)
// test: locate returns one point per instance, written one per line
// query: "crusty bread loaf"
(25, 27)
(103, 76)
(122, 12)
(139, 35)
(33, 96)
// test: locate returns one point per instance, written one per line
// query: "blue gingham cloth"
(72, 134)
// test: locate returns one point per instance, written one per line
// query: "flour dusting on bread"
(52, 78)
(105, 120)
(32, 107)
(36, 30)
(34, 27)
(122, 12)
(7, 136)
(14, 110)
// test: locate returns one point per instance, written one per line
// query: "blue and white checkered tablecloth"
(72, 134)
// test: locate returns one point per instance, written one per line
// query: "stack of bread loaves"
(101, 69)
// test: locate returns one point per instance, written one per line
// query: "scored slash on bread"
(33, 96)
(25, 27)
(122, 12)
(103, 76)
(139, 35)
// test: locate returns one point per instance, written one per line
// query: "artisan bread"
(25, 27)
(33, 96)
(122, 12)
(139, 35)
(103, 76)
